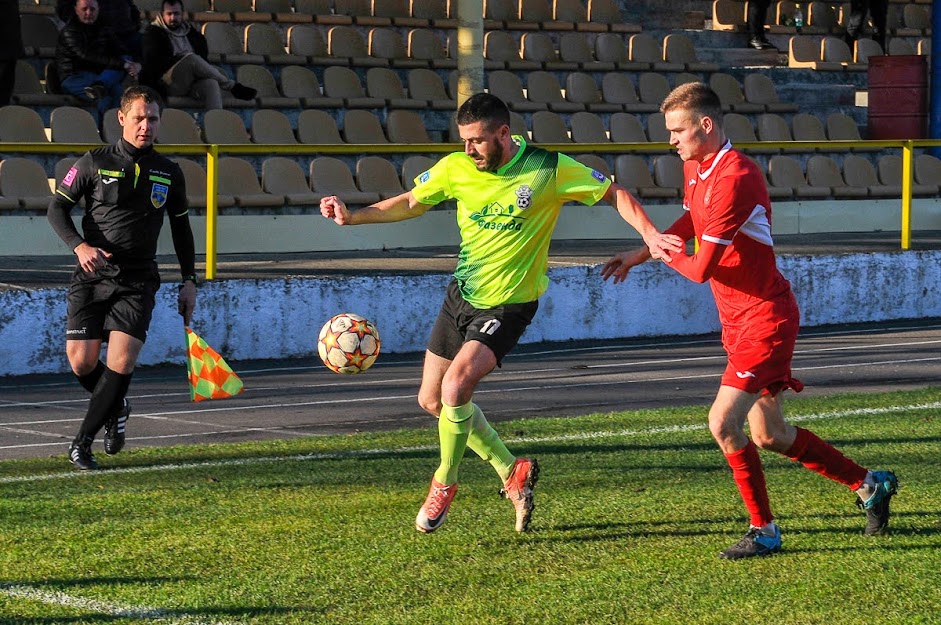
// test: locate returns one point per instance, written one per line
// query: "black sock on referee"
(111, 389)
(90, 380)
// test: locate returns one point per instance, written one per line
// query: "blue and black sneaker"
(877, 505)
(754, 543)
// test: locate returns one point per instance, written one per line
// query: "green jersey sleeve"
(434, 186)
(578, 183)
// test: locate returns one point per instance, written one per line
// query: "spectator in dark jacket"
(90, 61)
(11, 47)
(122, 16)
(174, 61)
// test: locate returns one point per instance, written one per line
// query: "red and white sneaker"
(434, 511)
(519, 490)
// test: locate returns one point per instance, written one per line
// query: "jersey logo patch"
(597, 175)
(425, 177)
(70, 177)
(158, 194)
(524, 197)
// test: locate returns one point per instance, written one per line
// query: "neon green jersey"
(507, 217)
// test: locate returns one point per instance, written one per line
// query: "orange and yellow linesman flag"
(210, 375)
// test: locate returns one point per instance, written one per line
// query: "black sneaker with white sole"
(753, 544)
(114, 429)
(80, 455)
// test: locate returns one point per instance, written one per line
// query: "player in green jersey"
(509, 195)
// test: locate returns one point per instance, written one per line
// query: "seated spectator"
(90, 61)
(174, 61)
(121, 16)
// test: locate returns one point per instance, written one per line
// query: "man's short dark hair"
(696, 98)
(163, 7)
(140, 92)
(486, 108)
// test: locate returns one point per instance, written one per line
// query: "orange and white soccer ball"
(348, 343)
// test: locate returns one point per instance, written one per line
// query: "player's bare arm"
(398, 208)
(622, 262)
(659, 245)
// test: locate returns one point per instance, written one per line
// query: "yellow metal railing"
(212, 153)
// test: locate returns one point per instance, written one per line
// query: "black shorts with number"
(498, 328)
(111, 298)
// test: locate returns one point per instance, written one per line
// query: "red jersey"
(727, 204)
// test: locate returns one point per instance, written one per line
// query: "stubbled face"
(172, 15)
(86, 11)
(485, 146)
(140, 123)
(689, 134)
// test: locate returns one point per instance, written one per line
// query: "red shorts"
(760, 355)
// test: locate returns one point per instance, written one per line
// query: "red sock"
(750, 478)
(821, 457)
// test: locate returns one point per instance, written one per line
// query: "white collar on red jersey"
(715, 160)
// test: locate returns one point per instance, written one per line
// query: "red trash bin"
(898, 97)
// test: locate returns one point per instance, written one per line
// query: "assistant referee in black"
(126, 188)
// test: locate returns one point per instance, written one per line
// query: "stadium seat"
(237, 177)
(822, 18)
(643, 48)
(317, 128)
(808, 127)
(223, 126)
(657, 129)
(19, 124)
(406, 127)
(266, 40)
(823, 171)
(608, 13)
(226, 44)
(424, 45)
(195, 177)
(70, 124)
(653, 88)
(435, 12)
(322, 12)
(539, 47)
(858, 172)
(331, 176)
(627, 128)
(111, 130)
(633, 172)
(543, 88)
(679, 49)
(842, 127)
(916, 19)
(375, 174)
(40, 35)
(28, 90)
(281, 11)
(62, 167)
(610, 48)
(865, 48)
(739, 129)
(900, 47)
(176, 126)
(588, 128)
(618, 88)
(25, 180)
(835, 50)
(426, 85)
(500, 15)
(262, 80)
(540, 12)
(502, 52)
(344, 83)
(308, 42)
(581, 88)
(239, 10)
(928, 169)
(508, 87)
(283, 176)
(385, 84)
(575, 12)
(548, 127)
(728, 15)
(731, 95)
(575, 48)
(387, 44)
(773, 127)
(361, 12)
(595, 162)
(759, 89)
(786, 172)
(890, 173)
(272, 128)
(668, 173)
(398, 12)
(805, 51)
(301, 83)
(348, 43)
(412, 167)
(361, 126)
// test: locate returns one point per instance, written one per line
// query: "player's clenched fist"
(332, 208)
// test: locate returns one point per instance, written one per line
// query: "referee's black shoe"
(80, 455)
(114, 429)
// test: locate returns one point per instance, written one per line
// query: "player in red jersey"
(728, 210)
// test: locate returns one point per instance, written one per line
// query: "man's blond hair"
(695, 97)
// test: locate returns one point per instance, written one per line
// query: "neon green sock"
(485, 441)
(453, 427)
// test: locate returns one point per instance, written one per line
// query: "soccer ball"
(348, 343)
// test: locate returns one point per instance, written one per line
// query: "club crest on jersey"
(158, 194)
(524, 197)
(708, 195)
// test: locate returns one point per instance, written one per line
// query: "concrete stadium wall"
(253, 319)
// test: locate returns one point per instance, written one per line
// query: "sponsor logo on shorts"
(77, 331)
(745, 374)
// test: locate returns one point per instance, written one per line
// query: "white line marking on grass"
(358, 453)
(52, 597)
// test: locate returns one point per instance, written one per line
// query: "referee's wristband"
(190, 278)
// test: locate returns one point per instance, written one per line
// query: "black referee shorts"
(498, 328)
(111, 299)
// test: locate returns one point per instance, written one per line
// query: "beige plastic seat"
(19, 124)
(653, 88)
(588, 128)
(575, 12)
(70, 124)
(387, 44)
(224, 126)
(633, 172)
(502, 52)
(611, 48)
(435, 12)
(111, 130)
(539, 47)
(375, 174)
(266, 41)
(780, 18)
(427, 85)
(272, 128)
(858, 172)
(226, 44)
(643, 48)
(412, 167)
(731, 95)
(497, 13)
(835, 50)
(739, 129)
(543, 88)
(548, 127)
(575, 48)
(508, 87)
(540, 12)
(679, 49)
(900, 47)
(808, 127)
(786, 172)
(889, 168)
(657, 128)
(805, 51)
(759, 89)
(773, 127)
(28, 90)
(618, 89)
(406, 127)
(927, 170)
(344, 83)
(608, 13)
(195, 177)
(728, 15)
(177, 126)
(627, 128)
(283, 176)
(385, 84)
(25, 180)
(361, 126)
(864, 49)
(581, 88)
(308, 42)
(237, 177)
(398, 12)
(424, 44)
(239, 10)
(317, 128)
(822, 18)
(300, 83)
(331, 176)
(40, 34)
(348, 43)
(282, 11)
(842, 127)
(595, 162)
(361, 12)
(916, 18)
(668, 173)
(823, 171)
(261, 79)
